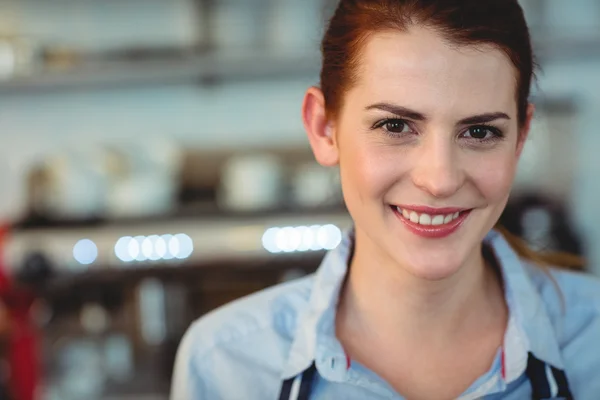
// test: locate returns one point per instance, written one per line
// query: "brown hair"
(497, 23)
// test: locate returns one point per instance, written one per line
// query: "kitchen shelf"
(226, 66)
(207, 68)
(200, 214)
(108, 276)
(217, 241)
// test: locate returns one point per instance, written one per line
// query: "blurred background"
(153, 166)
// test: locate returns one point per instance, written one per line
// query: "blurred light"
(269, 240)
(306, 238)
(186, 246)
(301, 238)
(147, 248)
(329, 237)
(314, 231)
(289, 239)
(168, 254)
(85, 252)
(140, 241)
(122, 249)
(133, 249)
(283, 239)
(154, 247)
(153, 254)
(295, 239)
(174, 246)
(160, 247)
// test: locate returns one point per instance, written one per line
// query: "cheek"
(494, 174)
(367, 170)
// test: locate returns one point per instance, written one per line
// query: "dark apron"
(299, 388)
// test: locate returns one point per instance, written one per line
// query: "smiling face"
(428, 142)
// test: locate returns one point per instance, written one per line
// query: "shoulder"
(567, 292)
(572, 302)
(275, 308)
(251, 334)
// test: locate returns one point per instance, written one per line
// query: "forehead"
(421, 70)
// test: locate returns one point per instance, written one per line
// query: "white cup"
(316, 186)
(251, 182)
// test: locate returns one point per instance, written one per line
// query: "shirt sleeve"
(577, 321)
(183, 385)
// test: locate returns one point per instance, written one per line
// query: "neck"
(381, 300)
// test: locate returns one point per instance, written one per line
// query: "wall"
(582, 79)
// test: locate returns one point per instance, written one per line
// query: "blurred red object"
(18, 333)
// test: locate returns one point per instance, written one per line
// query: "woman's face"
(427, 141)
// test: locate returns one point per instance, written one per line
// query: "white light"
(154, 247)
(168, 253)
(329, 237)
(301, 238)
(133, 248)
(140, 241)
(315, 245)
(282, 239)
(269, 240)
(147, 248)
(174, 246)
(122, 249)
(186, 246)
(85, 252)
(306, 238)
(294, 239)
(153, 254)
(160, 247)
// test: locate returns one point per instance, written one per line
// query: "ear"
(524, 132)
(319, 129)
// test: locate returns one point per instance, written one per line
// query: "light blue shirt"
(245, 350)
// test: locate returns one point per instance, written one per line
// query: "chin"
(436, 265)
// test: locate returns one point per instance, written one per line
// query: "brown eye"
(395, 126)
(482, 133)
(479, 132)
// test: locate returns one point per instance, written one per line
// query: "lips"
(431, 222)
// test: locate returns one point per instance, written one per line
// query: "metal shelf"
(216, 241)
(230, 66)
(208, 68)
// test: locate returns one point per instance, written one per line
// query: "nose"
(437, 169)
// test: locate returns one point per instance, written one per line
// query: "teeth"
(414, 217)
(437, 220)
(427, 219)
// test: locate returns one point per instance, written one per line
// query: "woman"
(423, 104)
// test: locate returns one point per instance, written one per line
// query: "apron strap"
(547, 382)
(299, 387)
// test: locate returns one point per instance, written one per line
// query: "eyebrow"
(418, 116)
(398, 110)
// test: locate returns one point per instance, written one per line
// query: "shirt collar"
(529, 328)
(323, 302)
